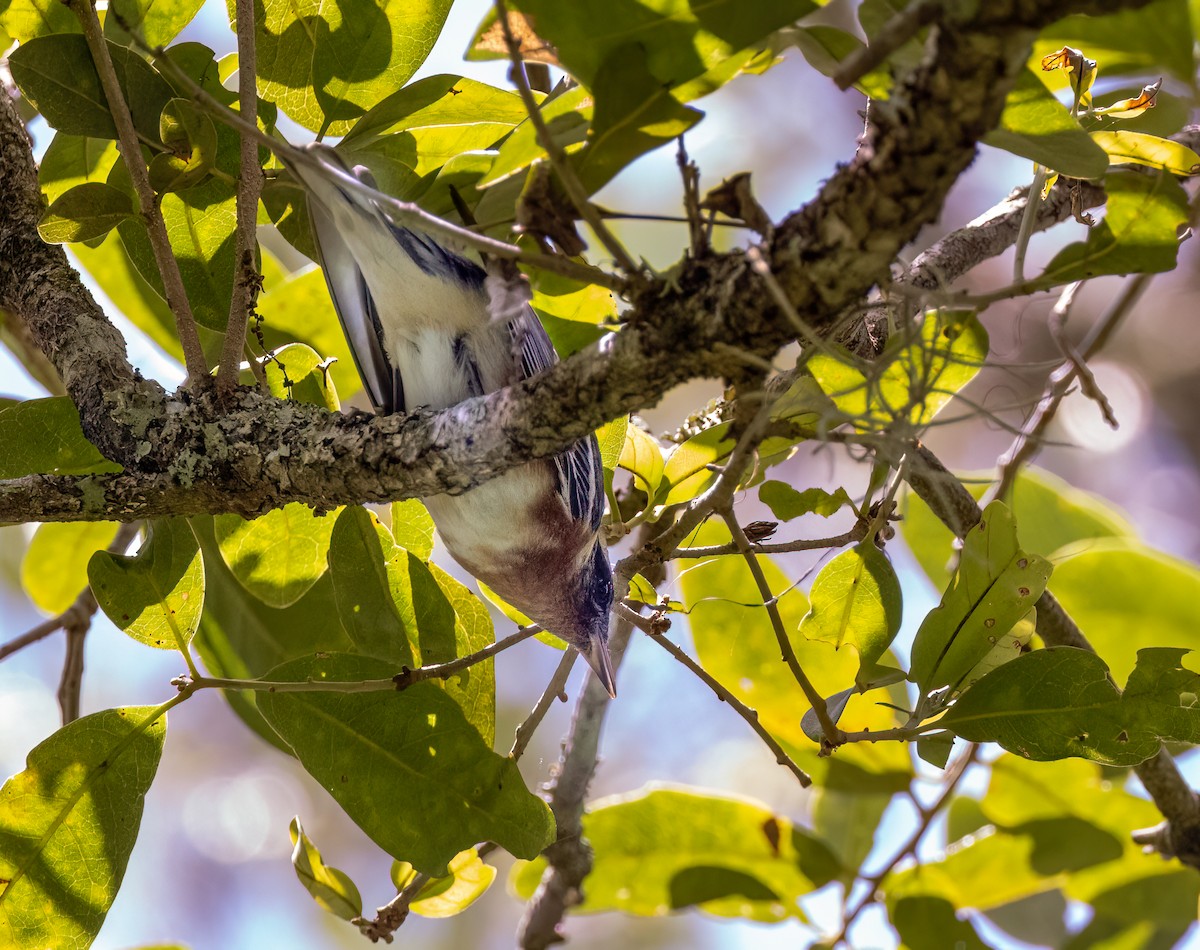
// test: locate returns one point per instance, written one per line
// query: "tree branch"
(250, 183)
(131, 150)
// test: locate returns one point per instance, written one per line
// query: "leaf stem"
(650, 626)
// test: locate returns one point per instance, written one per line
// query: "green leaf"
(825, 47)
(110, 267)
(438, 102)
(642, 456)
(43, 437)
(327, 65)
(298, 309)
(1051, 513)
(611, 437)
(634, 114)
(995, 585)
(200, 224)
(914, 378)
(72, 160)
(407, 767)
(157, 596)
(468, 880)
(155, 21)
(297, 372)
(1126, 596)
(566, 117)
(277, 557)
(240, 637)
(192, 140)
(1139, 42)
(1140, 148)
(1061, 702)
(24, 20)
(57, 74)
(681, 40)
(736, 643)
(1139, 233)
(856, 600)
(929, 923)
(667, 849)
(786, 503)
(396, 607)
(330, 888)
(54, 569)
(413, 528)
(68, 824)
(84, 213)
(686, 473)
(1035, 125)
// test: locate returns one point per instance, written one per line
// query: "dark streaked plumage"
(417, 319)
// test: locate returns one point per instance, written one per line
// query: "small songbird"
(417, 318)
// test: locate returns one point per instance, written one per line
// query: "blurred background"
(211, 868)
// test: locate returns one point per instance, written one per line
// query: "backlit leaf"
(1125, 147)
(1139, 233)
(856, 600)
(43, 437)
(54, 570)
(68, 823)
(995, 585)
(156, 596)
(330, 888)
(666, 849)
(83, 213)
(278, 556)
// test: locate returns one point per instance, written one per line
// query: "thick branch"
(262, 455)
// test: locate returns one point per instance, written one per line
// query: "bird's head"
(586, 627)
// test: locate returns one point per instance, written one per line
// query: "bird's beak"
(597, 658)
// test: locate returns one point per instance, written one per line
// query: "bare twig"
(440, 671)
(554, 690)
(926, 816)
(833, 735)
(690, 174)
(650, 628)
(164, 257)
(1029, 441)
(246, 281)
(853, 536)
(391, 916)
(558, 157)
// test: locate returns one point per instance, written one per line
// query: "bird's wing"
(354, 305)
(580, 474)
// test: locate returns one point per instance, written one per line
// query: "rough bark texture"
(189, 454)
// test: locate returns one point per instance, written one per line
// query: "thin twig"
(901, 28)
(391, 916)
(164, 257)
(853, 536)
(690, 174)
(555, 690)
(1028, 443)
(833, 735)
(558, 157)
(246, 281)
(406, 677)
(926, 816)
(648, 627)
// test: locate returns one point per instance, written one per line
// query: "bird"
(417, 320)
